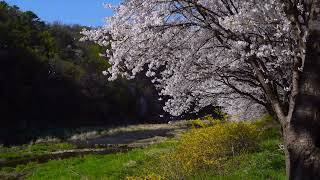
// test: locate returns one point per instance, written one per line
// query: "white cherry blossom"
(201, 52)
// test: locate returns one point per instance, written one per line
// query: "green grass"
(25, 151)
(113, 166)
(266, 163)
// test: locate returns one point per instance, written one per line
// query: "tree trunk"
(302, 133)
(302, 155)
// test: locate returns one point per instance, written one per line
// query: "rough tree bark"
(302, 133)
(302, 127)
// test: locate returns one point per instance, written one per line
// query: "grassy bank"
(265, 161)
(113, 166)
(31, 150)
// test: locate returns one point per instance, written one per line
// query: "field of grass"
(112, 166)
(31, 150)
(265, 163)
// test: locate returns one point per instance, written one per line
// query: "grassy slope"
(267, 163)
(25, 151)
(113, 166)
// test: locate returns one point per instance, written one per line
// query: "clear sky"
(84, 12)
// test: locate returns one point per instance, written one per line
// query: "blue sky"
(84, 12)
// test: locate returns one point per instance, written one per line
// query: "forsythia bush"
(206, 121)
(199, 123)
(210, 147)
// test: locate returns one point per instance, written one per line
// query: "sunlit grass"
(113, 166)
(266, 162)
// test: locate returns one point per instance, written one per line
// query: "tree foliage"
(201, 52)
(48, 79)
(238, 54)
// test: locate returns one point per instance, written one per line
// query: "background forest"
(50, 79)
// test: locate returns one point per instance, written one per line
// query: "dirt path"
(136, 135)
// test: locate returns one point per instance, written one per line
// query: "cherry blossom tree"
(247, 56)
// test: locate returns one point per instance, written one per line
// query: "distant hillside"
(50, 79)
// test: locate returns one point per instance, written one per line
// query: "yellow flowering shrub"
(199, 123)
(206, 121)
(201, 149)
(210, 147)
